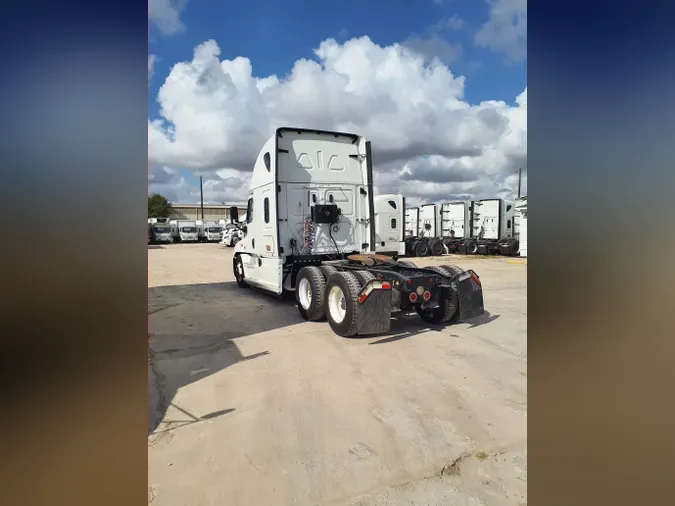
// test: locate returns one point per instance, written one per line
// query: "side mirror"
(234, 214)
(243, 227)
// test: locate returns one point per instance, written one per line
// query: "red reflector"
(431, 280)
(427, 295)
(413, 297)
(410, 281)
(386, 286)
(362, 297)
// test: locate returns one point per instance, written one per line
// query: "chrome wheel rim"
(305, 293)
(337, 305)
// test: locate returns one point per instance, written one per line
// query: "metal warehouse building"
(213, 212)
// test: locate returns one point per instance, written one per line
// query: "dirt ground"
(251, 405)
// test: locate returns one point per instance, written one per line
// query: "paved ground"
(251, 405)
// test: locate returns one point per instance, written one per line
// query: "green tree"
(158, 206)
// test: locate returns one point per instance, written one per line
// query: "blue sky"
(274, 35)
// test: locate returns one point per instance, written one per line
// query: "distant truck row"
(164, 230)
(481, 227)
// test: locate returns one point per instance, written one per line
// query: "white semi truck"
(477, 227)
(310, 229)
(390, 224)
(184, 231)
(209, 231)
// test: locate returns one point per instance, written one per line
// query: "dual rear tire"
(325, 292)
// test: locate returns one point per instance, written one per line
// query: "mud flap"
(470, 297)
(374, 313)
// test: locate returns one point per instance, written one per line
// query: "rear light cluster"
(384, 285)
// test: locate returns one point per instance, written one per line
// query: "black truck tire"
(238, 268)
(310, 288)
(451, 245)
(436, 247)
(446, 310)
(341, 302)
(327, 270)
(454, 270)
(471, 247)
(407, 263)
(364, 277)
(420, 248)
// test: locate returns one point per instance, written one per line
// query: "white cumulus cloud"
(428, 142)
(506, 29)
(165, 14)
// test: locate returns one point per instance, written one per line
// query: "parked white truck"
(310, 229)
(160, 230)
(390, 224)
(232, 234)
(479, 227)
(209, 231)
(184, 231)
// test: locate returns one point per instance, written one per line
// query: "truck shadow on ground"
(409, 325)
(192, 333)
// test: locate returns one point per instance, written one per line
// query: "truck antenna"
(519, 171)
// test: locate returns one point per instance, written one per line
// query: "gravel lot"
(251, 405)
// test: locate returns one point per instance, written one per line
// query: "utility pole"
(201, 191)
(519, 171)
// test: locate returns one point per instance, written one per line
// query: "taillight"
(382, 285)
(475, 278)
(413, 297)
(427, 295)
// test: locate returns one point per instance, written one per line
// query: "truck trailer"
(184, 231)
(310, 230)
(390, 224)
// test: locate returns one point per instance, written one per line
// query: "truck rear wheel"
(238, 268)
(342, 293)
(364, 277)
(445, 311)
(447, 307)
(436, 247)
(471, 247)
(406, 263)
(420, 249)
(310, 288)
(453, 269)
(327, 270)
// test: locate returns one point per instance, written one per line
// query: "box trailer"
(310, 230)
(390, 224)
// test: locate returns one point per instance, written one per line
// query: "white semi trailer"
(184, 231)
(310, 229)
(390, 224)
